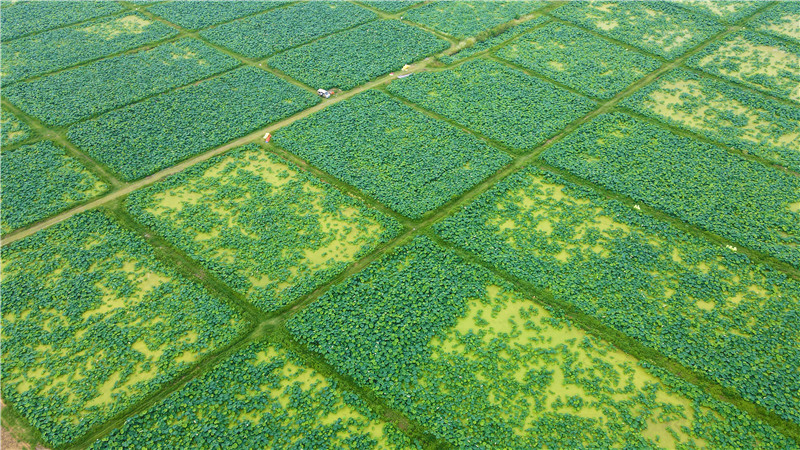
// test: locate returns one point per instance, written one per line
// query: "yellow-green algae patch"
(701, 303)
(724, 11)
(480, 365)
(119, 26)
(657, 27)
(755, 60)
(12, 129)
(267, 229)
(263, 396)
(527, 332)
(782, 20)
(747, 121)
(92, 322)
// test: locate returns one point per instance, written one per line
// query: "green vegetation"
(391, 6)
(699, 183)
(760, 62)
(724, 11)
(40, 180)
(781, 20)
(706, 306)
(33, 17)
(113, 82)
(202, 14)
(93, 323)
(268, 230)
(491, 41)
(274, 31)
(502, 103)
(448, 343)
(746, 121)
(261, 397)
(13, 129)
(463, 19)
(659, 27)
(582, 61)
(142, 138)
(405, 159)
(356, 56)
(63, 47)
(458, 254)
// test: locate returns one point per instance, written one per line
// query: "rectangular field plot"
(356, 56)
(463, 19)
(74, 94)
(92, 322)
(405, 159)
(746, 121)
(490, 42)
(707, 307)
(145, 137)
(704, 185)
(60, 48)
(12, 129)
(39, 180)
(446, 342)
(268, 230)
(391, 6)
(656, 27)
(502, 103)
(33, 17)
(781, 20)
(724, 11)
(273, 31)
(579, 59)
(261, 397)
(754, 60)
(201, 14)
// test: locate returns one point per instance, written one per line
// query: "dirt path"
(9, 437)
(127, 188)
(9, 442)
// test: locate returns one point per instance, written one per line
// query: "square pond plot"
(355, 56)
(201, 14)
(263, 396)
(403, 158)
(579, 59)
(754, 60)
(462, 19)
(502, 103)
(39, 180)
(268, 230)
(746, 120)
(704, 185)
(34, 17)
(63, 47)
(695, 301)
(145, 137)
(480, 366)
(273, 31)
(92, 322)
(656, 27)
(79, 93)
